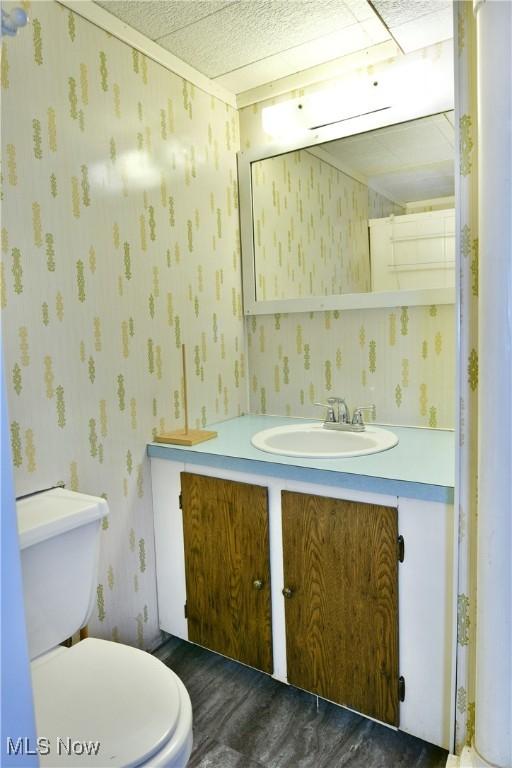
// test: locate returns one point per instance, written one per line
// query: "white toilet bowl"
(129, 703)
(97, 703)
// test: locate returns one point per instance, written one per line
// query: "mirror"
(365, 220)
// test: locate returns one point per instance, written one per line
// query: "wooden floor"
(245, 719)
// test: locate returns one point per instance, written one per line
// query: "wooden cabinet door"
(341, 567)
(227, 566)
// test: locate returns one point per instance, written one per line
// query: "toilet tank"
(59, 532)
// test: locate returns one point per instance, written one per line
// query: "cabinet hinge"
(401, 549)
(181, 501)
(401, 688)
(185, 611)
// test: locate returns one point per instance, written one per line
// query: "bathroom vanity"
(334, 575)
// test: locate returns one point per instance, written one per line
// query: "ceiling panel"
(327, 48)
(361, 9)
(425, 183)
(407, 162)
(409, 143)
(156, 18)
(244, 44)
(396, 12)
(246, 32)
(428, 30)
(418, 23)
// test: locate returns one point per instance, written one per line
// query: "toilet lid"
(99, 691)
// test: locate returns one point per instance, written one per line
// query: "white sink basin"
(315, 442)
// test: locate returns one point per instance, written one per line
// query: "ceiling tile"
(375, 29)
(327, 48)
(397, 12)
(411, 161)
(246, 32)
(361, 9)
(247, 43)
(426, 31)
(421, 183)
(155, 18)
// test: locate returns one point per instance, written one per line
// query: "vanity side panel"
(169, 546)
(427, 594)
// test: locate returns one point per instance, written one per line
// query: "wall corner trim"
(97, 15)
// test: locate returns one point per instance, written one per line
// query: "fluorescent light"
(413, 82)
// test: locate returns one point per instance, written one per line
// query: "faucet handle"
(357, 417)
(331, 416)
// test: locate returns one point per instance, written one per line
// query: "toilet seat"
(126, 699)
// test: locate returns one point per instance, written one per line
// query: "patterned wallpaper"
(401, 359)
(119, 242)
(311, 228)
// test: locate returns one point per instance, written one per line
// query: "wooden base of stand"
(180, 437)
(185, 436)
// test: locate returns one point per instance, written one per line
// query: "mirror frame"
(252, 306)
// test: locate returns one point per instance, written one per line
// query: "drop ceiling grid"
(413, 144)
(243, 44)
(243, 33)
(356, 37)
(421, 149)
(397, 12)
(420, 145)
(428, 30)
(416, 23)
(408, 188)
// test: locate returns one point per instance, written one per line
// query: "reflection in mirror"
(370, 212)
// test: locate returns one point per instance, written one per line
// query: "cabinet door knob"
(257, 584)
(287, 592)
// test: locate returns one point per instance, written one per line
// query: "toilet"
(98, 703)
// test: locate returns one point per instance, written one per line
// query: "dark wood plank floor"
(245, 719)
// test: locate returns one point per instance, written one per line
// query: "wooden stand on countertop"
(185, 436)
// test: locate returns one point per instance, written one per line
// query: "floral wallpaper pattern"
(399, 359)
(311, 228)
(119, 242)
(467, 427)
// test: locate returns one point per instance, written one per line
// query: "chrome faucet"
(338, 415)
(337, 410)
(343, 411)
